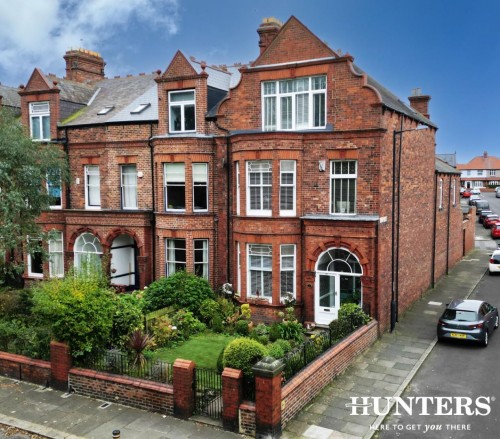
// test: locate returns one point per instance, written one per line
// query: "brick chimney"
(420, 102)
(267, 31)
(485, 154)
(84, 65)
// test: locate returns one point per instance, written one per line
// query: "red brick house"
(481, 172)
(297, 176)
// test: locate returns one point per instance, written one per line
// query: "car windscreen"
(459, 315)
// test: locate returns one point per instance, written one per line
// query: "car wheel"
(496, 322)
(485, 339)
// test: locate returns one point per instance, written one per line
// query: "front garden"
(143, 333)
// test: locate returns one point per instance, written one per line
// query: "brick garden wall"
(24, 368)
(307, 384)
(133, 392)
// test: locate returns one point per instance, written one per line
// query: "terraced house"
(294, 178)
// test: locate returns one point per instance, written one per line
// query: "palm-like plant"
(138, 342)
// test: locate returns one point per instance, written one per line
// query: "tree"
(25, 166)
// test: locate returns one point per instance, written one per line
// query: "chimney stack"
(84, 65)
(267, 31)
(485, 154)
(420, 102)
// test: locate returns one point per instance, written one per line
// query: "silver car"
(472, 320)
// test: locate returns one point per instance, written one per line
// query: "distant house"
(297, 178)
(10, 99)
(481, 171)
(451, 159)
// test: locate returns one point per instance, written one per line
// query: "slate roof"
(72, 91)
(124, 95)
(10, 97)
(444, 168)
(390, 100)
(451, 159)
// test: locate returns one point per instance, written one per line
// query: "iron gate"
(208, 393)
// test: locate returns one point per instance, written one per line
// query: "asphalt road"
(456, 370)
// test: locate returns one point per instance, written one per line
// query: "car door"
(491, 315)
(487, 316)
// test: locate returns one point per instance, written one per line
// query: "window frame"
(206, 257)
(123, 186)
(87, 170)
(339, 177)
(238, 188)
(200, 185)
(293, 185)
(42, 119)
(440, 194)
(60, 238)
(284, 269)
(182, 105)
(31, 273)
(174, 183)
(49, 184)
(266, 271)
(273, 96)
(170, 245)
(262, 186)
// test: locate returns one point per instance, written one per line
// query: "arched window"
(340, 261)
(88, 251)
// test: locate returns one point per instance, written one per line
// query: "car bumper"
(494, 268)
(459, 334)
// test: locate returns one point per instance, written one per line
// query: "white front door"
(123, 261)
(327, 300)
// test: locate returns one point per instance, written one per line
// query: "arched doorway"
(338, 280)
(124, 262)
(88, 251)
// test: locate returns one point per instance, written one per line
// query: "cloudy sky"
(448, 48)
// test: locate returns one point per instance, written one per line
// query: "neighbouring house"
(297, 177)
(9, 99)
(481, 172)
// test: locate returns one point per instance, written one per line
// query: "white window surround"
(440, 194)
(200, 250)
(56, 255)
(175, 186)
(128, 186)
(39, 120)
(343, 186)
(54, 189)
(238, 265)
(294, 104)
(175, 255)
(288, 188)
(87, 250)
(259, 188)
(238, 191)
(92, 187)
(454, 192)
(200, 187)
(259, 278)
(182, 111)
(287, 271)
(35, 261)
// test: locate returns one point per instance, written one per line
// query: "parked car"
(497, 192)
(484, 214)
(462, 190)
(489, 220)
(494, 262)
(476, 191)
(482, 205)
(468, 320)
(467, 193)
(495, 230)
(473, 199)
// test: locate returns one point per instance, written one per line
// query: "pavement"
(383, 370)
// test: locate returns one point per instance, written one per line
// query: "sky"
(450, 49)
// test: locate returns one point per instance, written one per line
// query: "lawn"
(203, 349)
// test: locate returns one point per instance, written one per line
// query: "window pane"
(319, 110)
(35, 128)
(182, 96)
(175, 118)
(46, 127)
(270, 113)
(286, 113)
(201, 257)
(129, 186)
(189, 118)
(176, 255)
(302, 111)
(93, 186)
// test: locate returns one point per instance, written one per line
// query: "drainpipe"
(68, 185)
(153, 194)
(434, 227)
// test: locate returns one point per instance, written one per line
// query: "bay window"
(200, 187)
(287, 272)
(56, 261)
(175, 186)
(201, 257)
(259, 187)
(260, 258)
(175, 256)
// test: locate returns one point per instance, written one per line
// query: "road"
(457, 370)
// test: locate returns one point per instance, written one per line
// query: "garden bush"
(274, 332)
(241, 327)
(276, 351)
(209, 310)
(187, 324)
(217, 325)
(182, 290)
(354, 314)
(164, 332)
(127, 318)
(242, 353)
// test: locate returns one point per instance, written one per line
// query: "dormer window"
(105, 110)
(40, 120)
(182, 114)
(294, 104)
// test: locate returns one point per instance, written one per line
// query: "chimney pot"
(267, 30)
(420, 102)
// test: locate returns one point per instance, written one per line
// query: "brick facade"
(389, 225)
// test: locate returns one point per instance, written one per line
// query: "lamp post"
(396, 170)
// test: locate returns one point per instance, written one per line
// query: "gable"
(294, 42)
(38, 82)
(179, 67)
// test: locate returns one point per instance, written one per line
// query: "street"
(457, 370)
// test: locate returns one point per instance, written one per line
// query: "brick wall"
(310, 381)
(247, 418)
(23, 368)
(133, 392)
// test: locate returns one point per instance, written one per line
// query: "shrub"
(138, 343)
(127, 318)
(246, 313)
(275, 351)
(243, 353)
(15, 303)
(209, 310)
(217, 324)
(284, 344)
(353, 314)
(186, 323)
(220, 361)
(241, 327)
(163, 331)
(291, 331)
(274, 332)
(79, 310)
(182, 290)
(339, 329)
